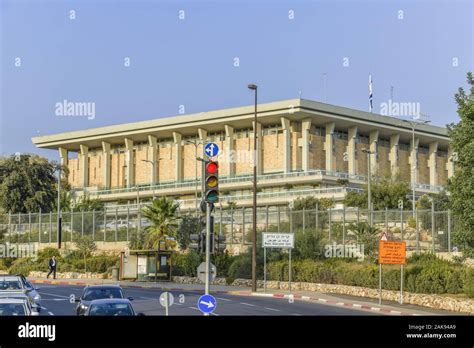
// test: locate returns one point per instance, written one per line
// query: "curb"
(248, 293)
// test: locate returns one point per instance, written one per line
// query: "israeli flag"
(370, 93)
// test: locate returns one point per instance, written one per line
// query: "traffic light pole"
(208, 248)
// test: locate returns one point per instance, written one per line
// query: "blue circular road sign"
(207, 303)
(211, 149)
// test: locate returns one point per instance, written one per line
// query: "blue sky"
(190, 62)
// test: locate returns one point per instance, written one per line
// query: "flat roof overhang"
(242, 117)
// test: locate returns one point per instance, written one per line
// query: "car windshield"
(100, 293)
(10, 285)
(12, 309)
(111, 309)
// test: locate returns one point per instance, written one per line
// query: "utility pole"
(369, 182)
(254, 208)
(413, 124)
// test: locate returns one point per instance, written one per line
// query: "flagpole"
(370, 93)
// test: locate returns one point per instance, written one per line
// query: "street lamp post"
(369, 182)
(254, 208)
(59, 207)
(195, 143)
(413, 124)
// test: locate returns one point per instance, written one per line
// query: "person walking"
(52, 267)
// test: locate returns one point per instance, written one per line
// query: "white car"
(18, 283)
(16, 307)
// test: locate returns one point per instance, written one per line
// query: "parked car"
(98, 292)
(111, 307)
(15, 283)
(33, 309)
(16, 307)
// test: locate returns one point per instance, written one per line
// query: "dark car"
(98, 292)
(111, 307)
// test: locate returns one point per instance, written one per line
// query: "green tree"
(189, 225)
(162, 214)
(27, 184)
(461, 184)
(386, 192)
(85, 246)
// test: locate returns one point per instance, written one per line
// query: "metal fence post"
(358, 215)
(72, 223)
(266, 218)
(93, 224)
(105, 224)
(39, 227)
(278, 218)
(386, 219)
(344, 228)
(50, 225)
(417, 232)
(10, 226)
(128, 221)
(243, 225)
(316, 221)
(82, 222)
(432, 226)
(329, 224)
(116, 223)
(220, 219)
(401, 223)
(290, 213)
(19, 225)
(29, 227)
(449, 230)
(231, 227)
(304, 222)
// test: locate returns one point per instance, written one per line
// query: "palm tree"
(163, 221)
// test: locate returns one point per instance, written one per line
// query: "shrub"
(411, 222)
(241, 267)
(468, 280)
(22, 266)
(101, 263)
(186, 264)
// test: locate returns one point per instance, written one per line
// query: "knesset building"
(303, 148)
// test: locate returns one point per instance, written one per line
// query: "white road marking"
(224, 299)
(296, 314)
(272, 309)
(49, 294)
(215, 314)
(247, 304)
(50, 313)
(194, 308)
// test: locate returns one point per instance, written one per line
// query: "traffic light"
(219, 243)
(196, 241)
(211, 189)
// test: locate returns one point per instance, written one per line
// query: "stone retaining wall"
(425, 300)
(70, 275)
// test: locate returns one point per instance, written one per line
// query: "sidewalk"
(358, 303)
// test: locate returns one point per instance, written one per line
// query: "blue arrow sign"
(211, 149)
(207, 303)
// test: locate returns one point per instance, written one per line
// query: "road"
(56, 301)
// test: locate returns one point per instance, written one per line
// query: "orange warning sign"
(392, 253)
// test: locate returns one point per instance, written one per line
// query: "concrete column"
(84, 149)
(413, 159)
(177, 137)
(285, 123)
(63, 160)
(106, 163)
(329, 147)
(153, 157)
(433, 153)
(231, 155)
(373, 139)
(129, 162)
(259, 147)
(351, 150)
(450, 162)
(394, 156)
(305, 127)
